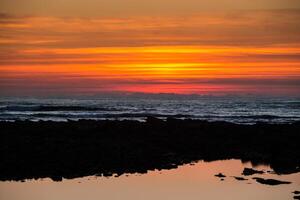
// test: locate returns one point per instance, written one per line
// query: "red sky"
(242, 48)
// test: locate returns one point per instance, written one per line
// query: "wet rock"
(270, 172)
(86, 147)
(56, 178)
(220, 175)
(240, 178)
(250, 171)
(153, 120)
(270, 181)
(296, 192)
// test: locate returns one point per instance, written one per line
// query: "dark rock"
(296, 192)
(249, 172)
(271, 172)
(270, 181)
(56, 178)
(240, 178)
(33, 150)
(153, 120)
(220, 175)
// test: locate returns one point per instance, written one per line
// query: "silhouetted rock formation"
(240, 178)
(220, 175)
(296, 192)
(249, 172)
(270, 181)
(75, 149)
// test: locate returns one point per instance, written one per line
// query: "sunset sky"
(59, 47)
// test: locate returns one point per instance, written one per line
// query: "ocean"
(244, 110)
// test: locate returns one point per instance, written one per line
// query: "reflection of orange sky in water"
(186, 182)
(197, 54)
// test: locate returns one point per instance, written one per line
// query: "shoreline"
(32, 150)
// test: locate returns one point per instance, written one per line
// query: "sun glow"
(197, 54)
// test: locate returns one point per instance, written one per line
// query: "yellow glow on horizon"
(206, 52)
(166, 49)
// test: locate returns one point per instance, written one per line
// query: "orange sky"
(229, 51)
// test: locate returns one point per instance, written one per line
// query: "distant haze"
(133, 7)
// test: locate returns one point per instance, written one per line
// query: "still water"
(191, 182)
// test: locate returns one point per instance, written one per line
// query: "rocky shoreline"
(32, 150)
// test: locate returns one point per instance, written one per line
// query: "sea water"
(230, 108)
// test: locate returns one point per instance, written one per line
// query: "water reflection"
(187, 182)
